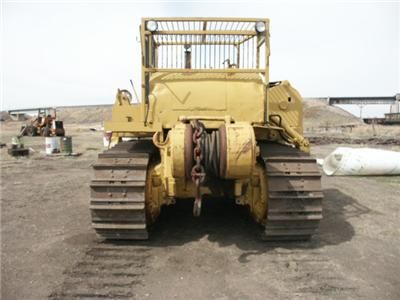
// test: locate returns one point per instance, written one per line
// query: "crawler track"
(117, 191)
(294, 193)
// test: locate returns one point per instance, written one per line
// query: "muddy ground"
(48, 249)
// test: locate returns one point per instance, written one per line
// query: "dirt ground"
(48, 249)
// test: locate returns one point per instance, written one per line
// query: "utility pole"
(361, 108)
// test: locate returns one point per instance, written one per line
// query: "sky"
(57, 53)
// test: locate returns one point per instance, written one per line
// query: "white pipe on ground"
(362, 161)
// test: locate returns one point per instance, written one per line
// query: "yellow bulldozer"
(209, 124)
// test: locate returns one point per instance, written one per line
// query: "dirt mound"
(4, 116)
(323, 120)
(317, 113)
(84, 114)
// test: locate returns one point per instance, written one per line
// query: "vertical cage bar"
(209, 53)
(167, 51)
(238, 54)
(254, 52)
(196, 38)
(215, 49)
(229, 50)
(247, 54)
(224, 55)
(258, 52)
(175, 40)
(200, 54)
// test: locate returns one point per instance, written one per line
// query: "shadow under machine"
(209, 124)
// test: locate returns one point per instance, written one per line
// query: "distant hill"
(316, 114)
(84, 114)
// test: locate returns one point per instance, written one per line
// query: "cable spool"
(237, 150)
(228, 152)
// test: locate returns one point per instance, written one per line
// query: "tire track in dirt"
(312, 274)
(106, 271)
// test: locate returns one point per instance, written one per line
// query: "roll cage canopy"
(205, 45)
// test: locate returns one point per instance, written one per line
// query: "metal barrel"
(52, 145)
(66, 144)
